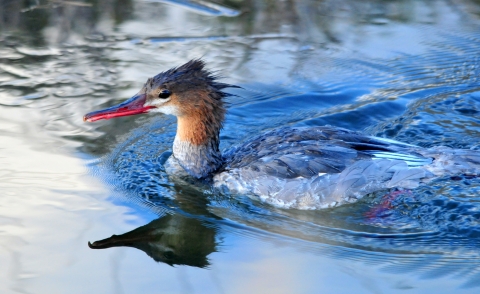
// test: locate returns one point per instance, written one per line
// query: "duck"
(289, 167)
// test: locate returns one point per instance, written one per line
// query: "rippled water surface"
(407, 70)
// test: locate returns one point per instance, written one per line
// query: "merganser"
(289, 167)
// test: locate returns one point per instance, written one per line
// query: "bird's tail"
(448, 161)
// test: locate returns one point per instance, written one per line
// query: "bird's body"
(303, 168)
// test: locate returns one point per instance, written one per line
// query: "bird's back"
(317, 167)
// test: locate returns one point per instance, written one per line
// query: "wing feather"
(306, 152)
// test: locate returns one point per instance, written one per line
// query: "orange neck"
(196, 146)
(200, 123)
(194, 130)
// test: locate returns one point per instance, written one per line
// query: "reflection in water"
(172, 239)
(311, 22)
(202, 7)
(407, 70)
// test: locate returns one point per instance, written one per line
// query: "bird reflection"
(171, 239)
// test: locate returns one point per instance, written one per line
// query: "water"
(406, 70)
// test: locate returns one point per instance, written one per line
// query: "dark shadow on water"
(428, 97)
(172, 239)
(190, 234)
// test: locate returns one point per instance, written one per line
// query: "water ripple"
(201, 7)
(428, 99)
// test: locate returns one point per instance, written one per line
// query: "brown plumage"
(197, 97)
(306, 168)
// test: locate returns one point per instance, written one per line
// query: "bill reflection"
(171, 239)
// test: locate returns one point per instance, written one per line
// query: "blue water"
(400, 69)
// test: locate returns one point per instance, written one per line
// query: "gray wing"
(306, 152)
